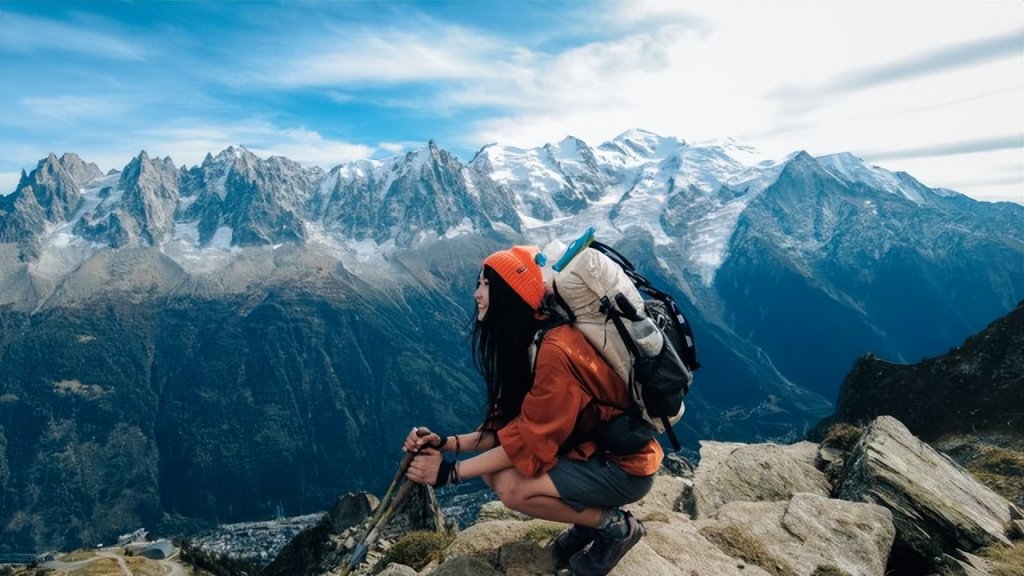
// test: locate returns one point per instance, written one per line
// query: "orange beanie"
(519, 269)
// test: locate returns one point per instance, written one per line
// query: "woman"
(534, 448)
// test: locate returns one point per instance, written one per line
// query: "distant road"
(173, 567)
(117, 558)
(66, 567)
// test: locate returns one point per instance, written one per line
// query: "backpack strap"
(561, 302)
(554, 320)
(689, 353)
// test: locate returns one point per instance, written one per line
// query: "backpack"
(638, 329)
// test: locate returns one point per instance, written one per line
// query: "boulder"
(525, 558)
(730, 472)
(937, 506)
(664, 499)
(465, 566)
(809, 532)
(484, 540)
(349, 510)
(327, 545)
(397, 570)
(675, 547)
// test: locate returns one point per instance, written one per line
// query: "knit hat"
(518, 267)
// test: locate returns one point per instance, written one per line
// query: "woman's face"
(482, 295)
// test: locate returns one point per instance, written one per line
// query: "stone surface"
(936, 505)
(394, 569)
(811, 530)
(731, 472)
(675, 547)
(465, 566)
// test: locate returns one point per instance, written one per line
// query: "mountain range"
(172, 339)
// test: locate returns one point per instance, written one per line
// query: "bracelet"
(458, 446)
(441, 441)
(447, 473)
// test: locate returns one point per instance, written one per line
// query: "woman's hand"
(424, 466)
(422, 436)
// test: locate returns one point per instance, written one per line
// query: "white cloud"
(26, 34)
(71, 107)
(868, 77)
(8, 181)
(379, 57)
(189, 143)
(310, 148)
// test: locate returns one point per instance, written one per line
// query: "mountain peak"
(232, 153)
(640, 145)
(851, 169)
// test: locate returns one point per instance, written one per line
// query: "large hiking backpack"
(640, 332)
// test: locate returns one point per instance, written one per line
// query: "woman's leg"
(538, 498)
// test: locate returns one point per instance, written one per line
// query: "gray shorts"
(597, 483)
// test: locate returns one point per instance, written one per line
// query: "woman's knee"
(506, 486)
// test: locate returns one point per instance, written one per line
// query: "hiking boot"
(609, 546)
(572, 541)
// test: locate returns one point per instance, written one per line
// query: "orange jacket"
(567, 367)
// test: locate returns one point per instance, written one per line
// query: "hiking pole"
(359, 552)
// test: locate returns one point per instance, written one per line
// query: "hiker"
(534, 444)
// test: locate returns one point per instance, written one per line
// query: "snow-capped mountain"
(247, 312)
(845, 229)
(678, 193)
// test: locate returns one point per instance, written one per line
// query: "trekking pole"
(359, 552)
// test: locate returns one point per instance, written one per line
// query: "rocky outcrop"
(937, 506)
(795, 536)
(977, 387)
(809, 532)
(731, 472)
(328, 545)
(768, 509)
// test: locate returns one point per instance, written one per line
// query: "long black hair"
(501, 343)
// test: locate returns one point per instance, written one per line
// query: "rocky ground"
(872, 501)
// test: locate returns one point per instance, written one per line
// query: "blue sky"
(932, 88)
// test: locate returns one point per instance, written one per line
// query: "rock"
(971, 565)
(731, 472)
(465, 566)
(937, 506)
(677, 548)
(495, 510)
(525, 558)
(664, 498)
(484, 539)
(395, 569)
(307, 552)
(677, 465)
(673, 545)
(351, 509)
(811, 530)
(327, 545)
